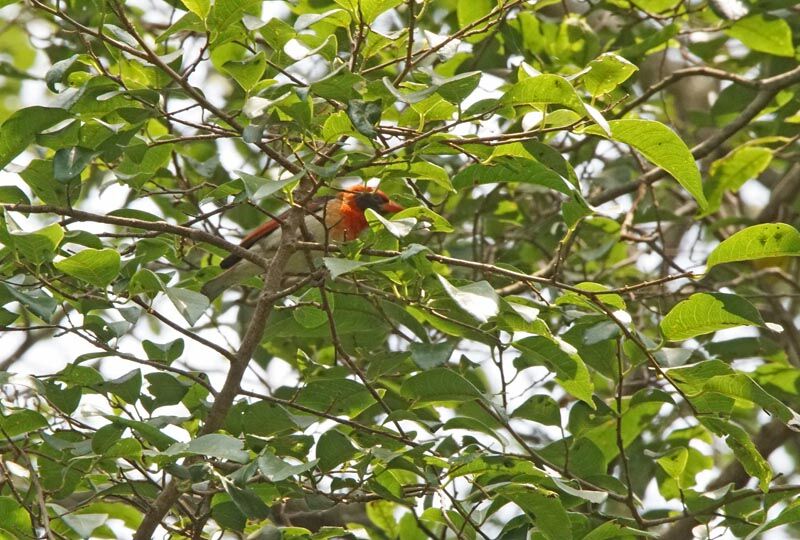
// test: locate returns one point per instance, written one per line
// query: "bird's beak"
(391, 207)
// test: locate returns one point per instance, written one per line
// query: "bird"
(333, 219)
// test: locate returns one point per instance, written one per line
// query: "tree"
(582, 326)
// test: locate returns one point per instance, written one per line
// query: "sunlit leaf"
(703, 313)
(96, 266)
(757, 242)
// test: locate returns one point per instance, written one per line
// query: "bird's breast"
(343, 222)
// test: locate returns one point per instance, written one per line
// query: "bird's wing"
(268, 228)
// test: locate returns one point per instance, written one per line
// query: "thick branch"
(230, 389)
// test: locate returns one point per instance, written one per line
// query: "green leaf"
(662, 147)
(83, 524)
(743, 448)
(381, 514)
(22, 422)
(398, 228)
(190, 304)
(367, 11)
(336, 396)
(39, 176)
(674, 463)
(149, 432)
(741, 386)
(545, 89)
(96, 266)
(227, 514)
(333, 449)
(145, 281)
(421, 169)
(338, 266)
(472, 10)
(21, 128)
(336, 125)
(213, 445)
(70, 162)
(247, 72)
(594, 497)
(198, 7)
(227, 14)
(560, 357)
(66, 399)
(512, 169)
(477, 299)
(730, 172)
(258, 187)
(127, 448)
(606, 72)
(341, 86)
(455, 89)
(133, 213)
(263, 418)
(703, 313)
(165, 388)
(13, 195)
(275, 469)
(311, 316)
(658, 6)
(39, 246)
(547, 512)
(163, 352)
(439, 385)
(38, 302)
(14, 519)
(431, 355)
(540, 408)
(127, 387)
(247, 502)
(612, 300)
(789, 515)
(757, 242)
(612, 529)
(105, 437)
(364, 115)
(759, 33)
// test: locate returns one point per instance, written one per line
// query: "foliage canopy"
(582, 326)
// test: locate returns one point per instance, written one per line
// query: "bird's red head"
(363, 197)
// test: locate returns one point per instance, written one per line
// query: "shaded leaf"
(20, 129)
(560, 357)
(540, 408)
(439, 385)
(190, 304)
